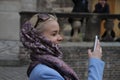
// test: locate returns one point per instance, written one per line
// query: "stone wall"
(28, 5)
(10, 27)
(9, 31)
(9, 51)
(75, 54)
(9, 19)
(54, 5)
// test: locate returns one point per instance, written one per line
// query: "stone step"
(5, 62)
(9, 51)
(11, 60)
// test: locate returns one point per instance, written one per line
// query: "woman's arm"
(95, 70)
(96, 65)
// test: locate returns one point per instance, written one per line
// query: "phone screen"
(95, 43)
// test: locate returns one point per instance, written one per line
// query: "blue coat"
(43, 72)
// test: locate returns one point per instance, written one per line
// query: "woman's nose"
(60, 38)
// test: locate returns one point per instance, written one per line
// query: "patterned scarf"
(44, 52)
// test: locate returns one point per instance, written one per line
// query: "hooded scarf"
(43, 51)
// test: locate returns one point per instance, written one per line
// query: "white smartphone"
(95, 43)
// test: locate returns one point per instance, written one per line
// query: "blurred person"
(102, 7)
(80, 6)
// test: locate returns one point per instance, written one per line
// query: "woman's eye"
(54, 34)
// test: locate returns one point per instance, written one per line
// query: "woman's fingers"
(97, 53)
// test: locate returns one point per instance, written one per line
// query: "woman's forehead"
(52, 25)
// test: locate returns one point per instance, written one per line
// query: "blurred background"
(14, 58)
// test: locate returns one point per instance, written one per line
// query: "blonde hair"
(40, 25)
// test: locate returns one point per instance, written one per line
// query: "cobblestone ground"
(13, 73)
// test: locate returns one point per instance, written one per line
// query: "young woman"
(41, 35)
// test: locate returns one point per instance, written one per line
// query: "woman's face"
(51, 31)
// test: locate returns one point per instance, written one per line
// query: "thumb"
(89, 52)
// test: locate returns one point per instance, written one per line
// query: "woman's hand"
(97, 53)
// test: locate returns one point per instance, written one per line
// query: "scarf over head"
(44, 52)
